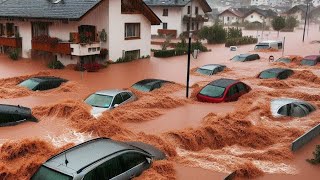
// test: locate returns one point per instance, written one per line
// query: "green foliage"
(278, 23)
(234, 33)
(241, 41)
(316, 156)
(165, 53)
(255, 26)
(14, 54)
(291, 23)
(214, 35)
(166, 43)
(55, 65)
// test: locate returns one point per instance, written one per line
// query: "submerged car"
(277, 73)
(290, 59)
(246, 57)
(211, 69)
(108, 99)
(100, 158)
(311, 60)
(223, 90)
(42, 83)
(148, 85)
(291, 107)
(13, 115)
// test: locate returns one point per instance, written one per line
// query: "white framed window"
(132, 31)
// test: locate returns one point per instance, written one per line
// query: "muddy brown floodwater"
(202, 141)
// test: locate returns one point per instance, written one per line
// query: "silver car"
(291, 107)
(108, 99)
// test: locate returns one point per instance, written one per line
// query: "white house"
(77, 29)
(231, 16)
(261, 16)
(175, 15)
(298, 11)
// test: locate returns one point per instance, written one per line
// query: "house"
(231, 16)
(175, 15)
(298, 11)
(261, 16)
(70, 30)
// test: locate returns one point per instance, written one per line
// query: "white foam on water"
(69, 137)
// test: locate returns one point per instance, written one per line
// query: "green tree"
(214, 35)
(234, 33)
(291, 23)
(278, 23)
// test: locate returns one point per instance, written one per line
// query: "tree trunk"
(278, 33)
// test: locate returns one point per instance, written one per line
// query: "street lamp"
(189, 52)
(305, 21)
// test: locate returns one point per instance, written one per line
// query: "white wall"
(253, 17)
(232, 18)
(195, 3)
(117, 42)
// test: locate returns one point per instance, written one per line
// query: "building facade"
(78, 29)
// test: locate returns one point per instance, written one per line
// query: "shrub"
(234, 33)
(55, 65)
(165, 53)
(53, 41)
(14, 54)
(291, 23)
(92, 67)
(103, 53)
(278, 23)
(316, 156)
(214, 35)
(241, 41)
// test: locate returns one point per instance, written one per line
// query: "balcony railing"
(85, 49)
(60, 47)
(197, 18)
(171, 32)
(11, 42)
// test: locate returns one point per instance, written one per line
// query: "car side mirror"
(116, 105)
(149, 160)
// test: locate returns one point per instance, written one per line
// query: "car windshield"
(262, 46)
(308, 62)
(98, 100)
(204, 71)
(30, 84)
(48, 174)
(213, 91)
(142, 87)
(284, 60)
(239, 58)
(267, 75)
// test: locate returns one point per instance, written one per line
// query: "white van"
(269, 45)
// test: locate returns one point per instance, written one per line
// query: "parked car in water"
(211, 69)
(108, 99)
(290, 59)
(271, 44)
(13, 115)
(311, 60)
(276, 73)
(100, 158)
(246, 57)
(233, 48)
(42, 83)
(291, 107)
(223, 90)
(148, 85)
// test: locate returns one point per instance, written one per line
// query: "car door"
(126, 97)
(117, 100)
(134, 164)
(233, 93)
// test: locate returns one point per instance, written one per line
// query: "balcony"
(197, 18)
(85, 49)
(11, 42)
(167, 32)
(60, 47)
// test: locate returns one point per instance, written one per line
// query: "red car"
(223, 90)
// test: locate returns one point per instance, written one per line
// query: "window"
(1, 29)
(228, 18)
(132, 30)
(165, 12)
(46, 173)
(125, 96)
(197, 26)
(107, 170)
(40, 29)
(189, 10)
(117, 100)
(232, 91)
(241, 87)
(10, 29)
(197, 10)
(130, 160)
(188, 26)
(164, 25)
(213, 91)
(135, 54)
(251, 16)
(192, 28)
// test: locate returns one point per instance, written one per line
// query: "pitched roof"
(178, 3)
(244, 12)
(233, 11)
(296, 8)
(59, 9)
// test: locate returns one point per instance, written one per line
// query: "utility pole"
(305, 22)
(189, 52)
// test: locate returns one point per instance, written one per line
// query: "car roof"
(110, 92)
(271, 41)
(276, 104)
(47, 78)
(223, 82)
(246, 55)
(150, 82)
(211, 66)
(276, 70)
(88, 153)
(312, 57)
(14, 109)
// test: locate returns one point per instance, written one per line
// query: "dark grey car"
(100, 158)
(246, 57)
(13, 115)
(211, 69)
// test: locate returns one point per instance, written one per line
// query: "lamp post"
(305, 21)
(189, 52)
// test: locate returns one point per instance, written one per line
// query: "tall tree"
(291, 23)
(278, 23)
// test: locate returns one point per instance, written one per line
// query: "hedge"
(165, 53)
(241, 41)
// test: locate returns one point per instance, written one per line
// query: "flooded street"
(202, 141)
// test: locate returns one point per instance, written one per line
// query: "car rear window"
(239, 58)
(204, 71)
(284, 60)
(30, 84)
(141, 87)
(267, 75)
(262, 46)
(49, 174)
(308, 62)
(212, 91)
(98, 100)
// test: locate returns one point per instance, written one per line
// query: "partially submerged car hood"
(156, 153)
